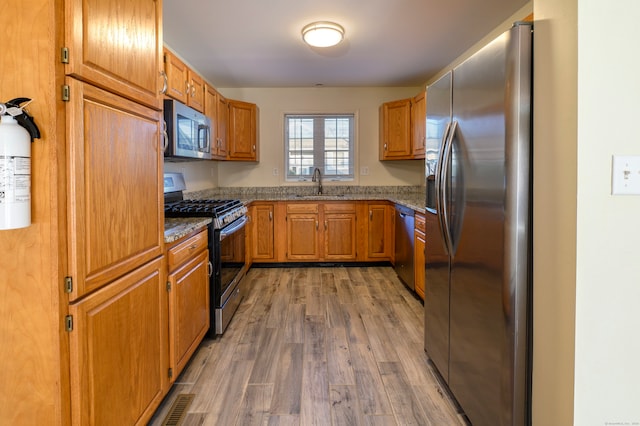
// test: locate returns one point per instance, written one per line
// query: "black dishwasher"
(404, 245)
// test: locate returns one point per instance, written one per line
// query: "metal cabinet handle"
(316, 225)
(187, 87)
(165, 82)
(270, 216)
(385, 146)
(165, 137)
(370, 214)
(210, 267)
(325, 225)
(254, 148)
(193, 246)
(193, 90)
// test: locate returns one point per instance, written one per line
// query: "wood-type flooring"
(317, 346)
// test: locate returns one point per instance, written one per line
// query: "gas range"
(223, 212)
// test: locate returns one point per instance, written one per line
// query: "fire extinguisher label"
(15, 179)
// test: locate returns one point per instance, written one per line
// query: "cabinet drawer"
(339, 207)
(302, 208)
(419, 222)
(187, 248)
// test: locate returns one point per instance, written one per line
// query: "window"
(324, 141)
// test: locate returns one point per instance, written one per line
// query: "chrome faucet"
(317, 177)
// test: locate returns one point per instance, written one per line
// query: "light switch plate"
(625, 176)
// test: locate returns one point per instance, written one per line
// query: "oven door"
(232, 267)
(232, 260)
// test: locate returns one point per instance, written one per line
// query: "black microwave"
(187, 133)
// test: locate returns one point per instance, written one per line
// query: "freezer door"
(490, 99)
(436, 299)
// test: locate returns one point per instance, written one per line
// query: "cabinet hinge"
(170, 373)
(168, 285)
(68, 284)
(64, 55)
(66, 93)
(68, 323)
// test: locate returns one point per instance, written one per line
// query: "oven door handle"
(233, 227)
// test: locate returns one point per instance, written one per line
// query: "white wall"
(607, 367)
(197, 174)
(275, 102)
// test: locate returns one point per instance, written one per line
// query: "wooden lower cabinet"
(340, 234)
(263, 228)
(321, 231)
(380, 231)
(119, 349)
(188, 285)
(303, 224)
(419, 259)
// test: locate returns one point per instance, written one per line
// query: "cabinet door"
(177, 77)
(302, 232)
(263, 231)
(395, 130)
(419, 125)
(117, 44)
(340, 236)
(242, 131)
(210, 110)
(119, 350)
(222, 126)
(196, 91)
(115, 193)
(188, 310)
(379, 232)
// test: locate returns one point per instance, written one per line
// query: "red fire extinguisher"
(17, 131)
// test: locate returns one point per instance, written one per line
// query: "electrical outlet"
(276, 172)
(364, 170)
(625, 176)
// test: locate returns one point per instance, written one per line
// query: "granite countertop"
(176, 228)
(413, 197)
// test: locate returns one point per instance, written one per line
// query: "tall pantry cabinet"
(84, 336)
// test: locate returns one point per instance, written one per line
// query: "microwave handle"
(202, 128)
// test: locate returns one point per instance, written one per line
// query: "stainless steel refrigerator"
(478, 230)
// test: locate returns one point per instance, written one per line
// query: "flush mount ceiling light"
(322, 34)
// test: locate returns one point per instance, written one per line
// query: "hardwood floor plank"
(345, 408)
(327, 283)
(295, 324)
(315, 305)
(334, 313)
(339, 364)
(407, 409)
(256, 404)
(437, 406)
(287, 388)
(381, 421)
(278, 313)
(284, 420)
(315, 409)
(379, 339)
(371, 390)
(356, 332)
(315, 347)
(268, 356)
(225, 405)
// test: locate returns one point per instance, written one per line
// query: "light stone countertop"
(176, 228)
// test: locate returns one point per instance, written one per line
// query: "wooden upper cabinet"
(115, 221)
(196, 91)
(222, 126)
(117, 45)
(419, 125)
(395, 130)
(215, 107)
(177, 77)
(243, 131)
(183, 83)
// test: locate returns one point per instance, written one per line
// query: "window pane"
(323, 141)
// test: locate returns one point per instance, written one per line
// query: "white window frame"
(319, 151)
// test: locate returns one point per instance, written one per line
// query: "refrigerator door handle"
(446, 157)
(439, 185)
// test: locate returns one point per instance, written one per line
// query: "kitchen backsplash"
(282, 191)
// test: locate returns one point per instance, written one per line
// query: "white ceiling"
(257, 43)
